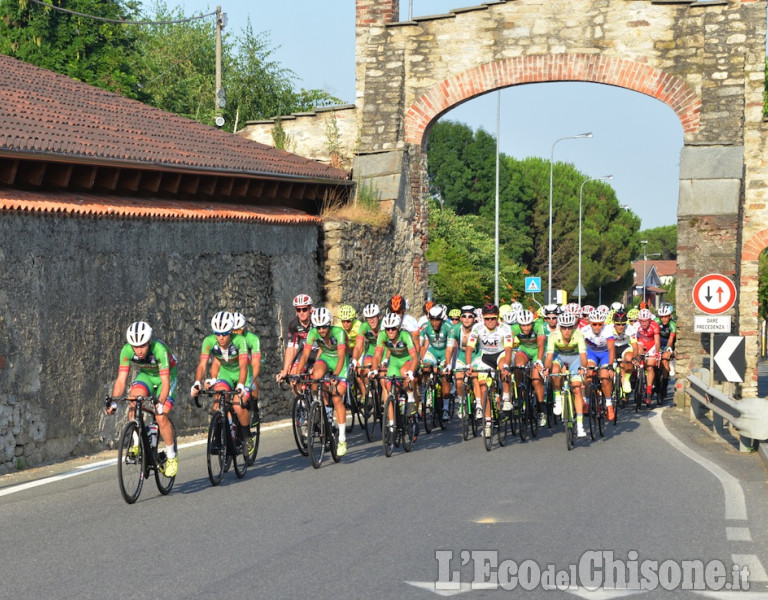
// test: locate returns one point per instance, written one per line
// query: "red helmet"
(397, 303)
(302, 300)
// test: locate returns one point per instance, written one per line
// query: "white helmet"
(617, 306)
(371, 310)
(573, 308)
(586, 309)
(391, 320)
(239, 320)
(551, 309)
(436, 312)
(223, 322)
(139, 333)
(665, 310)
(516, 307)
(525, 317)
(510, 317)
(321, 317)
(598, 315)
(644, 315)
(302, 300)
(566, 319)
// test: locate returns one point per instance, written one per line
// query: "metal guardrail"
(748, 415)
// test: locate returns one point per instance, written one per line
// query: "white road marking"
(756, 570)
(106, 463)
(738, 534)
(735, 505)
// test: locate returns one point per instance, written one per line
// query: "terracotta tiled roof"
(47, 114)
(93, 205)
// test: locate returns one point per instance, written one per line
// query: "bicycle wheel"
(503, 420)
(427, 406)
(487, 409)
(639, 389)
(164, 484)
(237, 450)
(371, 411)
(255, 432)
(438, 412)
(592, 412)
(471, 408)
(131, 462)
(601, 410)
(663, 381)
(217, 448)
(533, 414)
(549, 404)
(521, 411)
(316, 434)
(568, 418)
(467, 417)
(300, 414)
(388, 434)
(351, 404)
(409, 424)
(332, 438)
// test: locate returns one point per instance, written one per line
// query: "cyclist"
(433, 340)
(157, 374)
(584, 315)
(530, 339)
(403, 359)
(649, 339)
(253, 343)
(398, 306)
(455, 316)
(601, 353)
(365, 343)
(332, 342)
(298, 329)
(424, 319)
(551, 311)
(625, 341)
(495, 342)
(229, 368)
(632, 316)
(350, 323)
(455, 351)
(667, 337)
(567, 348)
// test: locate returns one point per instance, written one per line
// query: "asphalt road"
(372, 527)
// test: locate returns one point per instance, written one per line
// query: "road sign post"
(714, 294)
(533, 285)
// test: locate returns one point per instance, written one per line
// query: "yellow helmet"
(347, 313)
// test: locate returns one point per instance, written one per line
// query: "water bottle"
(232, 429)
(329, 414)
(152, 434)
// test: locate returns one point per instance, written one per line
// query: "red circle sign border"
(721, 279)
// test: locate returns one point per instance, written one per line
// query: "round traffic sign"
(714, 294)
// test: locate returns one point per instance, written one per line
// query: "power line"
(120, 21)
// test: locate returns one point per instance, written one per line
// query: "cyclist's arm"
(541, 340)
(378, 351)
(611, 351)
(671, 340)
(215, 366)
(201, 366)
(414, 359)
(165, 386)
(304, 358)
(256, 364)
(341, 351)
(357, 351)
(657, 343)
(118, 388)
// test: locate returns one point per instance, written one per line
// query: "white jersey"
(410, 324)
(630, 335)
(492, 341)
(422, 322)
(598, 342)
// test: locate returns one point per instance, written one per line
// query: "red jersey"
(647, 336)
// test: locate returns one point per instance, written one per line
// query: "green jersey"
(399, 347)
(229, 357)
(336, 336)
(436, 339)
(159, 359)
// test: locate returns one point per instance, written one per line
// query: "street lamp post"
(551, 176)
(581, 194)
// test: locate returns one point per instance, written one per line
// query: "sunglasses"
(323, 327)
(467, 316)
(302, 310)
(490, 318)
(390, 328)
(346, 320)
(222, 333)
(551, 318)
(455, 319)
(566, 326)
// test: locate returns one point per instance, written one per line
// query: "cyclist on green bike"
(254, 353)
(531, 338)
(455, 352)
(601, 352)
(434, 339)
(551, 312)
(626, 347)
(228, 354)
(403, 359)
(332, 342)
(365, 344)
(495, 342)
(157, 371)
(567, 348)
(667, 337)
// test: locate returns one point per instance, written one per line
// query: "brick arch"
(755, 246)
(551, 68)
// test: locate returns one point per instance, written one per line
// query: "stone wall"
(69, 287)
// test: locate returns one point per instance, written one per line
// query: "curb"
(762, 451)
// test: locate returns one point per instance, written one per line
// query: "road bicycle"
(661, 381)
(141, 450)
(568, 415)
(353, 400)
(321, 434)
(524, 411)
(404, 428)
(431, 395)
(639, 381)
(466, 408)
(300, 410)
(596, 410)
(620, 397)
(501, 422)
(372, 408)
(226, 444)
(255, 421)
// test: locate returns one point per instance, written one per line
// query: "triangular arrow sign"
(723, 358)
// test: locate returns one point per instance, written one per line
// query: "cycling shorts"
(599, 357)
(230, 380)
(396, 365)
(571, 361)
(486, 361)
(151, 385)
(622, 351)
(434, 357)
(532, 352)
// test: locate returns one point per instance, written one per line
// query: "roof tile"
(47, 113)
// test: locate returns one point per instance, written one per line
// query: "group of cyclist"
(454, 344)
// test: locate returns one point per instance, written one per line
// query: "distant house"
(656, 274)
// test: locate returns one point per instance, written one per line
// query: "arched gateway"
(706, 60)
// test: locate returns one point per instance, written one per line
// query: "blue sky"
(635, 138)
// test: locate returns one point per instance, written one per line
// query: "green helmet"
(347, 313)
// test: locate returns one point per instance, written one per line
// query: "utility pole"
(220, 99)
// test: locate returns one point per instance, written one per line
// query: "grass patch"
(365, 208)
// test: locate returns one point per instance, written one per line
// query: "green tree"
(661, 240)
(98, 53)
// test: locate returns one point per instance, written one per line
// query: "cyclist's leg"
(506, 380)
